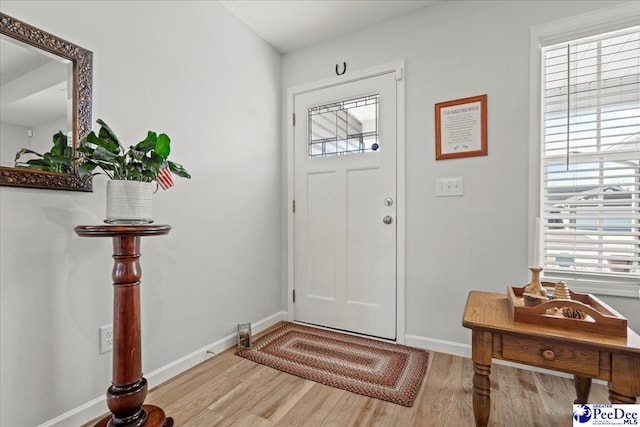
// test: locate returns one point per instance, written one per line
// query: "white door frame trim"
(396, 67)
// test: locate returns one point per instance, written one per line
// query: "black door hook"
(344, 69)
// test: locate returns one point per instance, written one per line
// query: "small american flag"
(164, 178)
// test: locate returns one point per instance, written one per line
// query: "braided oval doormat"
(382, 370)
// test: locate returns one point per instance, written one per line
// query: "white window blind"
(590, 199)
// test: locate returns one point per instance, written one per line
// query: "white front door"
(345, 206)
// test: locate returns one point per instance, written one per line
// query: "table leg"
(481, 349)
(615, 397)
(128, 389)
(583, 388)
(625, 378)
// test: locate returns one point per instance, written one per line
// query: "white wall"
(42, 139)
(192, 70)
(457, 49)
(13, 138)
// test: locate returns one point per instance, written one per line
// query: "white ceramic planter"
(129, 202)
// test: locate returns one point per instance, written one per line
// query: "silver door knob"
(387, 219)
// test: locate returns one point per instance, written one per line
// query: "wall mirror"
(46, 87)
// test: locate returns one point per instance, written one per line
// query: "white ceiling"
(33, 85)
(17, 59)
(290, 25)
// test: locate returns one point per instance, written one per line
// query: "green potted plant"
(135, 172)
(58, 159)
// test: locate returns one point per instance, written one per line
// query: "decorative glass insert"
(344, 127)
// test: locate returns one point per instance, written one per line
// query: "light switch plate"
(451, 186)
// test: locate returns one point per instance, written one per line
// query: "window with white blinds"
(590, 201)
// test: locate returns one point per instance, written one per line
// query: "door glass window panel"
(344, 127)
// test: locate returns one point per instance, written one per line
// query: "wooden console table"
(585, 355)
(128, 388)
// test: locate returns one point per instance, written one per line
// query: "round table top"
(108, 230)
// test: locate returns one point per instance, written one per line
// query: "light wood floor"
(227, 390)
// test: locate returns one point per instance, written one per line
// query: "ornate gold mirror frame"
(82, 60)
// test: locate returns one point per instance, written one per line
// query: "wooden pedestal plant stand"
(125, 396)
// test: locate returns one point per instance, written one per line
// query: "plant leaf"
(163, 145)
(101, 153)
(106, 132)
(178, 170)
(136, 154)
(85, 168)
(41, 164)
(25, 151)
(107, 144)
(59, 143)
(147, 144)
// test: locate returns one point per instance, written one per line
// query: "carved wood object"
(125, 396)
(586, 313)
(82, 60)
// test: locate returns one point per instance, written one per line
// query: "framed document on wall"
(461, 128)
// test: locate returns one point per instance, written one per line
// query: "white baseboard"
(464, 350)
(98, 406)
(440, 346)
(176, 367)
